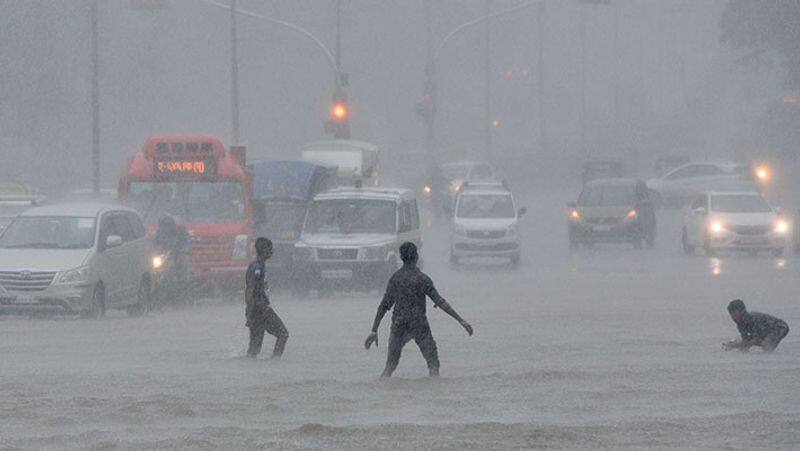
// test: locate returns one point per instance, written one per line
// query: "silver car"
(75, 258)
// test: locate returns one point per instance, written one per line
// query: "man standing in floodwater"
(406, 292)
(258, 312)
(757, 329)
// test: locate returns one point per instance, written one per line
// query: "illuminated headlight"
(73, 276)
(762, 173)
(157, 261)
(716, 227)
(240, 247)
(574, 215)
(781, 227)
(460, 230)
(426, 190)
(374, 253)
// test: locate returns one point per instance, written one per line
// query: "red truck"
(207, 190)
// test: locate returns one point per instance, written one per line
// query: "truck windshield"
(352, 216)
(282, 221)
(193, 201)
(49, 232)
(739, 203)
(485, 206)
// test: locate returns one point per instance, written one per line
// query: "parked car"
(75, 258)
(351, 237)
(612, 210)
(740, 221)
(685, 182)
(446, 181)
(602, 169)
(485, 223)
(282, 192)
(355, 160)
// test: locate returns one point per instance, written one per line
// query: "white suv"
(485, 223)
(741, 221)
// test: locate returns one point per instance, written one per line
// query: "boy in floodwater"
(757, 329)
(259, 314)
(406, 292)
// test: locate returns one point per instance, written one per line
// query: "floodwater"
(604, 348)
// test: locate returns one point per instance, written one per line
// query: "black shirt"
(759, 325)
(406, 292)
(256, 275)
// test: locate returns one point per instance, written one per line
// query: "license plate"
(337, 273)
(25, 300)
(601, 228)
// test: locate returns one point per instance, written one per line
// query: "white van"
(356, 160)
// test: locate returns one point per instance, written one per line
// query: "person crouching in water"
(258, 312)
(406, 292)
(757, 329)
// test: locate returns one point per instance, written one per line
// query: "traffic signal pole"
(95, 99)
(234, 77)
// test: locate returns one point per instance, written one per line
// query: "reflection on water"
(716, 266)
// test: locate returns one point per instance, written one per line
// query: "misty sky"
(657, 78)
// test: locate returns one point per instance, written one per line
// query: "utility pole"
(234, 77)
(429, 96)
(540, 84)
(95, 100)
(582, 27)
(339, 124)
(487, 85)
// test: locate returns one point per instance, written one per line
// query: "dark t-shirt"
(256, 275)
(760, 325)
(406, 292)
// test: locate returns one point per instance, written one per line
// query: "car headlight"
(460, 230)
(240, 247)
(631, 216)
(574, 215)
(73, 276)
(157, 262)
(716, 227)
(374, 253)
(781, 226)
(426, 190)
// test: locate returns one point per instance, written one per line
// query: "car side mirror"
(522, 211)
(113, 241)
(701, 211)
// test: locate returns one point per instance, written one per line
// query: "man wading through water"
(406, 292)
(259, 314)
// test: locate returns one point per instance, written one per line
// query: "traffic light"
(339, 122)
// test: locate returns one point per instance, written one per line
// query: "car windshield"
(739, 203)
(199, 201)
(282, 221)
(49, 232)
(485, 206)
(352, 216)
(608, 195)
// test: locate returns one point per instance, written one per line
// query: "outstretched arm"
(440, 302)
(384, 307)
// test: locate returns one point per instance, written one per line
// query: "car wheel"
(688, 249)
(144, 299)
(97, 309)
(709, 250)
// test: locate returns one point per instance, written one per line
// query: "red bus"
(207, 189)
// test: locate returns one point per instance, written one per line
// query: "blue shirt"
(257, 274)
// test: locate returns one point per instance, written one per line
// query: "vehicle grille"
(206, 250)
(26, 280)
(602, 220)
(337, 254)
(486, 247)
(482, 234)
(750, 230)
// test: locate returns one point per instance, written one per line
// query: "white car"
(741, 221)
(352, 236)
(683, 183)
(485, 223)
(75, 258)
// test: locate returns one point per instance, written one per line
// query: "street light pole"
(540, 84)
(582, 27)
(487, 85)
(430, 82)
(95, 99)
(234, 77)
